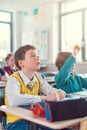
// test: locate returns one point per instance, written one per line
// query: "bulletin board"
(39, 39)
(33, 32)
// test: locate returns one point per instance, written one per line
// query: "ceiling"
(21, 4)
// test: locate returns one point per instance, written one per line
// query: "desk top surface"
(2, 84)
(81, 94)
(83, 75)
(28, 115)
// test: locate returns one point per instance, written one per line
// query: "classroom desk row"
(28, 115)
(2, 90)
(49, 76)
(2, 84)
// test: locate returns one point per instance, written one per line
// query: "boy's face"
(31, 61)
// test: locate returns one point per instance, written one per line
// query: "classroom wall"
(81, 68)
(49, 22)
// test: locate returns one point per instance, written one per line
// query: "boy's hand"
(55, 96)
(76, 49)
(61, 94)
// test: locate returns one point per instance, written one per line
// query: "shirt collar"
(25, 79)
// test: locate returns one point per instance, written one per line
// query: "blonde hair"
(61, 58)
(8, 56)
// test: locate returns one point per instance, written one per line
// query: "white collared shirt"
(13, 90)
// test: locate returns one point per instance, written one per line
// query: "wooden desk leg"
(33, 126)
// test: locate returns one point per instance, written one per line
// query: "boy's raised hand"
(76, 49)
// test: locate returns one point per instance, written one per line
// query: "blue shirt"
(69, 83)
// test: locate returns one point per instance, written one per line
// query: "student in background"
(9, 68)
(66, 79)
(24, 86)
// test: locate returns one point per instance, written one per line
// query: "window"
(73, 5)
(71, 35)
(74, 26)
(5, 34)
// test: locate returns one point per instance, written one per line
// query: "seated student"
(3, 75)
(66, 79)
(23, 87)
(9, 68)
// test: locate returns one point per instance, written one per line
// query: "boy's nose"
(38, 57)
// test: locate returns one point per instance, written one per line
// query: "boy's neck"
(28, 74)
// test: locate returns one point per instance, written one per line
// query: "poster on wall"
(39, 39)
(33, 32)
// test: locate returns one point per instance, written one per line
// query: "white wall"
(50, 22)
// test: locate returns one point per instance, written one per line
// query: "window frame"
(10, 23)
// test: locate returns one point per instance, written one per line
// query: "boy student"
(24, 86)
(66, 79)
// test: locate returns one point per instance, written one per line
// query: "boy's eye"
(33, 55)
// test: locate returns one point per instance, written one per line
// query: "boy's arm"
(17, 99)
(49, 92)
(14, 96)
(45, 87)
(84, 82)
(65, 70)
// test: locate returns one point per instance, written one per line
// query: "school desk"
(28, 115)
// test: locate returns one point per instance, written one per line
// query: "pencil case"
(61, 110)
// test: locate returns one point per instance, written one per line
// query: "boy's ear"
(60, 64)
(20, 62)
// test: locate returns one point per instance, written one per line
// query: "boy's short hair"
(61, 58)
(20, 54)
